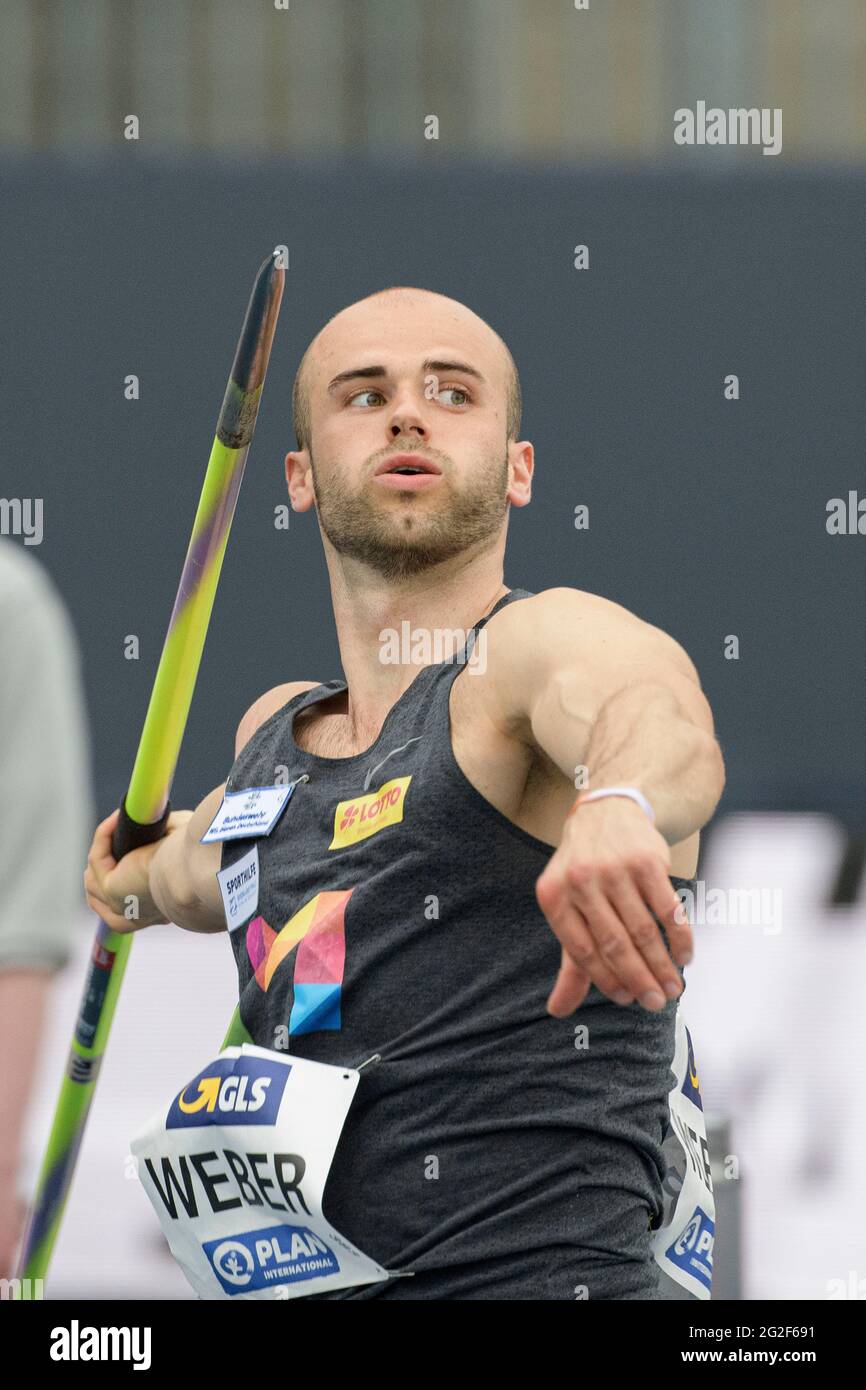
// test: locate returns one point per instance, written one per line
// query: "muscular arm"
(183, 871)
(593, 686)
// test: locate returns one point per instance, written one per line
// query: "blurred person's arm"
(24, 996)
(46, 808)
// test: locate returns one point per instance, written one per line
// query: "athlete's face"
(415, 375)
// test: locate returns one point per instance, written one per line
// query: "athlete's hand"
(598, 892)
(108, 884)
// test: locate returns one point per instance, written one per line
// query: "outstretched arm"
(594, 687)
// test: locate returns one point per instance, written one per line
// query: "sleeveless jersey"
(494, 1150)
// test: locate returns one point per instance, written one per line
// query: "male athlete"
(435, 894)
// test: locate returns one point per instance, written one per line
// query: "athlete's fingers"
(571, 988)
(667, 905)
(606, 980)
(612, 941)
(574, 982)
(571, 930)
(99, 856)
(564, 918)
(644, 932)
(111, 905)
(94, 893)
(111, 918)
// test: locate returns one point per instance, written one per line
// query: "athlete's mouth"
(407, 465)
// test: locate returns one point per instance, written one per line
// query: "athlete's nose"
(406, 418)
(398, 428)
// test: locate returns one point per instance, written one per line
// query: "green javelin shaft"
(145, 809)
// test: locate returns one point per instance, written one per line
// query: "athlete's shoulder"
(561, 616)
(266, 705)
(561, 608)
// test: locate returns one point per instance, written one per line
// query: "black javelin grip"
(129, 834)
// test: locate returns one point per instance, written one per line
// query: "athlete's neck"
(389, 630)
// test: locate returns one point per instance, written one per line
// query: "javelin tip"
(240, 406)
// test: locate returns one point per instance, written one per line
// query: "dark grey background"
(707, 516)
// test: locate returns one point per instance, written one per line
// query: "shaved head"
(301, 413)
(407, 370)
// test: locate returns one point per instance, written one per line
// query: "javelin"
(144, 810)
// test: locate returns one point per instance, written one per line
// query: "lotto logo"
(366, 815)
(233, 1091)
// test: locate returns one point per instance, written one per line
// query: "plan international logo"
(737, 126)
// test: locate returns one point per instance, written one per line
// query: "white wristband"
(631, 792)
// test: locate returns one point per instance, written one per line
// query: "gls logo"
(234, 1090)
(691, 1087)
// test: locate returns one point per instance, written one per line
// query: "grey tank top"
(496, 1151)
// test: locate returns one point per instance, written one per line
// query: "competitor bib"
(254, 811)
(236, 1168)
(683, 1246)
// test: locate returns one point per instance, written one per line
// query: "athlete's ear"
(299, 480)
(521, 463)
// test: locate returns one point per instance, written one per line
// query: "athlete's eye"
(459, 390)
(368, 391)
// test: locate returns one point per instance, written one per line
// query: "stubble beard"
(401, 543)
